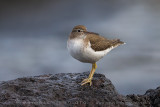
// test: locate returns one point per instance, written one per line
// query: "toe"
(90, 83)
(85, 81)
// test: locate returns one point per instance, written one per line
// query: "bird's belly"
(94, 56)
(83, 53)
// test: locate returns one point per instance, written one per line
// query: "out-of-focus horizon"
(33, 36)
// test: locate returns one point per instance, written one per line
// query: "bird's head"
(79, 28)
(78, 32)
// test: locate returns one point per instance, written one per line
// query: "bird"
(89, 47)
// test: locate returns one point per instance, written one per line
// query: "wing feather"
(100, 43)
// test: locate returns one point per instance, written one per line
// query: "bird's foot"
(87, 80)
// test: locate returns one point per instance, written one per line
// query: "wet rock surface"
(64, 89)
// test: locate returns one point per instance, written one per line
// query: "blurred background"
(33, 36)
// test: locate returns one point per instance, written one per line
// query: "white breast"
(75, 48)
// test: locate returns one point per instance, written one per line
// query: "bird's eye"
(79, 30)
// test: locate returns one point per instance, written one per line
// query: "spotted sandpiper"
(89, 47)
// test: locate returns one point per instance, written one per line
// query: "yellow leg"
(89, 79)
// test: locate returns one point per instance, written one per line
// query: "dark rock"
(150, 99)
(140, 100)
(154, 96)
(64, 89)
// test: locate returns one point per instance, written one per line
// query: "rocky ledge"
(64, 89)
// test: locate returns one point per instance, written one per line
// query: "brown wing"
(100, 43)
